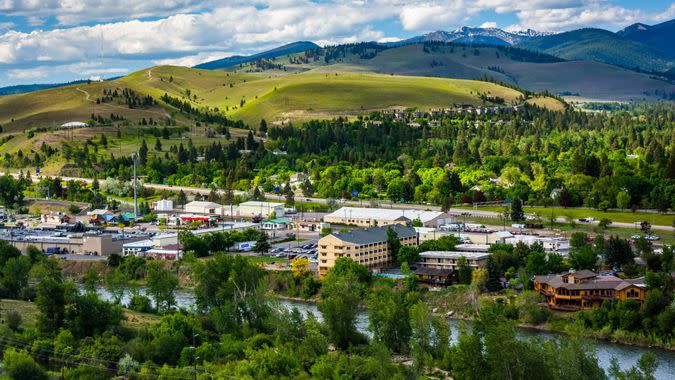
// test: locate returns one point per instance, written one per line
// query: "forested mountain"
(602, 46)
(295, 47)
(22, 89)
(660, 37)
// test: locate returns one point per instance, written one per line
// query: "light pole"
(134, 156)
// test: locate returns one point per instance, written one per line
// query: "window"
(632, 293)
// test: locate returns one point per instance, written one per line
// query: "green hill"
(524, 69)
(238, 95)
(602, 46)
(295, 47)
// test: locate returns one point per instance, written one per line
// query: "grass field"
(28, 312)
(311, 94)
(577, 213)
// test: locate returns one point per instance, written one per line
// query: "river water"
(626, 355)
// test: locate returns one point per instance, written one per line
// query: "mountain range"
(478, 36)
(638, 48)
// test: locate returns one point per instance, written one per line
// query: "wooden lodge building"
(584, 289)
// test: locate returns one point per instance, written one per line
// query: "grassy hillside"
(602, 46)
(588, 79)
(310, 94)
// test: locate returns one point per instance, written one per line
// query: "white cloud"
(488, 24)
(76, 12)
(389, 39)
(192, 60)
(34, 73)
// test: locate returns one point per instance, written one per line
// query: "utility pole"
(194, 355)
(134, 156)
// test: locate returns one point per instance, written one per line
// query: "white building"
(200, 207)
(264, 209)
(550, 244)
(163, 205)
(370, 217)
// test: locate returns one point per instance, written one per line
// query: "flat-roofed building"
(373, 217)
(450, 259)
(263, 209)
(200, 207)
(367, 247)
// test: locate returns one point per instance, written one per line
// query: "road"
(357, 203)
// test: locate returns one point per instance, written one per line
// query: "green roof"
(278, 221)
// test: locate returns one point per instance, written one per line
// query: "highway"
(353, 203)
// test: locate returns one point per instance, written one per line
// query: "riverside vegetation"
(237, 330)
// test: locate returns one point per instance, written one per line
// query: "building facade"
(586, 290)
(450, 259)
(367, 247)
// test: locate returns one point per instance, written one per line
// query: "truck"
(245, 246)
(52, 251)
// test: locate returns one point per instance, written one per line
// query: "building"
(551, 244)
(373, 217)
(163, 205)
(434, 276)
(263, 209)
(95, 244)
(584, 289)
(368, 247)
(450, 259)
(276, 224)
(102, 216)
(200, 207)
(55, 218)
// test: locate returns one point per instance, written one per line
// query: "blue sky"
(46, 41)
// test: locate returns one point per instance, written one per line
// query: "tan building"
(577, 290)
(55, 218)
(368, 247)
(373, 217)
(450, 259)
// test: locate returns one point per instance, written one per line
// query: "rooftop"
(261, 204)
(454, 255)
(384, 214)
(374, 234)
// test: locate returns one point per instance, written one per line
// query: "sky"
(52, 41)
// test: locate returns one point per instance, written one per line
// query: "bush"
(74, 209)
(14, 320)
(21, 366)
(141, 304)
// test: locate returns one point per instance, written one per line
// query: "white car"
(635, 237)
(652, 237)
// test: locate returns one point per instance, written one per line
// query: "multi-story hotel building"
(367, 247)
(576, 290)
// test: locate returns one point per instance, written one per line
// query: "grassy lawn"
(568, 229)
(28, 312)
(576, 213)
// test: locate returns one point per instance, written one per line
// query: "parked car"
(652, 237)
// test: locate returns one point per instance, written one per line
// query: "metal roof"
(375, 234)
(384, 214)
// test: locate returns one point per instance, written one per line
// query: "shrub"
(14, 320)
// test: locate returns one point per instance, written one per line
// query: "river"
(626, 355)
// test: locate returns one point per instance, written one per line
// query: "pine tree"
(158, 145)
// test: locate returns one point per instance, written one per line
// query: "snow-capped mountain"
(488, 36)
